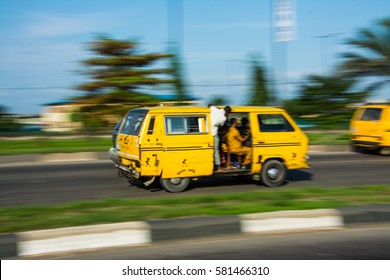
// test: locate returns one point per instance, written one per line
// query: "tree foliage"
(219, 100)
(259, 95)
(371, 55)
(120, 73)
(326, 99)
(3, 110)
(327, 94)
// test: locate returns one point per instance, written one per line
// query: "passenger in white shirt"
(218, 118)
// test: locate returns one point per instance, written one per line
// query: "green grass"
(47, 145)
(322, 138)
(113, 210)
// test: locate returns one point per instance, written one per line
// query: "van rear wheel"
(175, 185)
(273, 173)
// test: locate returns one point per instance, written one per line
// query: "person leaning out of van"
(218, 118)
(235, 143)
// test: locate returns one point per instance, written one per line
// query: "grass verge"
(48, 145)
(323, 138)
(17, 219)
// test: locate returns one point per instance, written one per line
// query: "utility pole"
(283, 31)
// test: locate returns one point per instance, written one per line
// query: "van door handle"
(260, 142)
(207, 144)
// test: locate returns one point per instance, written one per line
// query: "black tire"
(359, 150)
(175, 185)
(355, 149)
(273, 173)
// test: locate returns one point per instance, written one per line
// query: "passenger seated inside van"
(245, 130)
(235, 143)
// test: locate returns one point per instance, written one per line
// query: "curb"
(141, 233)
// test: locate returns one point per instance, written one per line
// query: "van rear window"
(185, 124)
(371, 114)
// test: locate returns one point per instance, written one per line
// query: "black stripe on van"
(277, 145)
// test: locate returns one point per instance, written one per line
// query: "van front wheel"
(175, 185)
(273, 173)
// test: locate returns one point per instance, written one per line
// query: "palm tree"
(372, 56)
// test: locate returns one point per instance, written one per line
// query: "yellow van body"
(370, 127)
(175, 144)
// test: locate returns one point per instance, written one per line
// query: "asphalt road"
(370, 243)
(56, 183)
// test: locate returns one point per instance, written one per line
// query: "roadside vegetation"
(93, 144)
(115, 210)
(49, 145)
(328, 138)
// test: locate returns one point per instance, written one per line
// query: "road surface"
(57, 183)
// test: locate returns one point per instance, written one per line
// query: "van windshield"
(133, 122)
(371, 114)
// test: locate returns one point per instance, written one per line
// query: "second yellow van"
(370, 128)
(175, 145)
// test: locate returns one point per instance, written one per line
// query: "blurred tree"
(7, 122)
(178, 75)
(372, 55)
(219, 100)
(119, 70)
(120, 74)
(326, 99)
(3, 110)
(260, 93)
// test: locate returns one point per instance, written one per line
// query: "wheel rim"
(175, 184)
(273, 173)
(175, 181)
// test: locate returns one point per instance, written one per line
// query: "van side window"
(151, 125)
(274, 123)
(371, 114)
(185, 124)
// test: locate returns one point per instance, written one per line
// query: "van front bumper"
(123, 171)
(112, 154)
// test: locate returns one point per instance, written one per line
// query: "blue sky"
(42, 42)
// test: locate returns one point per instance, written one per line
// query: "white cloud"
(48, 25)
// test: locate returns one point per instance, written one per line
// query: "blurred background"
(78, 66)
(70, 70)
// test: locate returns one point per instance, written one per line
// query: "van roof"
(205, 109)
